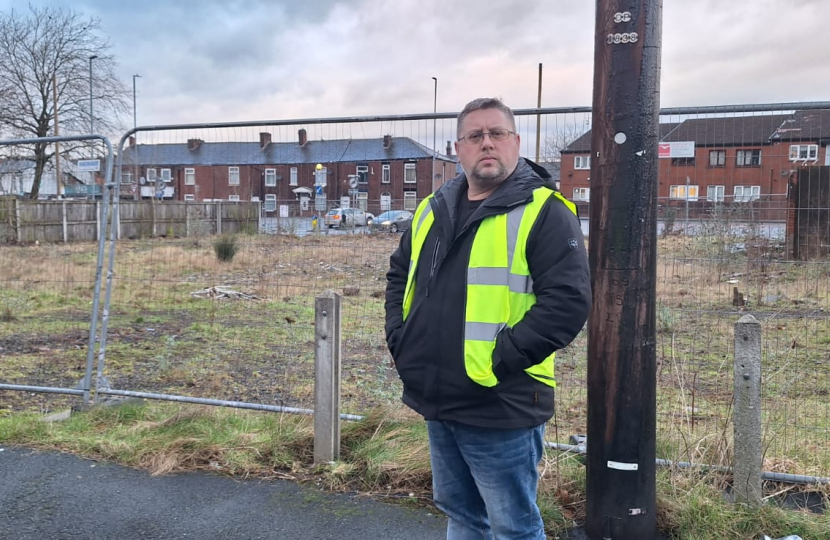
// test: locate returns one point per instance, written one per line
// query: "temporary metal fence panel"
(183, 323)
(49, 288)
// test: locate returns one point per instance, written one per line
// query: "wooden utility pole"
(623, 256)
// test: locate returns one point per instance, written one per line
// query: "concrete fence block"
(747, 466)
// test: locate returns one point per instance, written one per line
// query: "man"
(489, 281)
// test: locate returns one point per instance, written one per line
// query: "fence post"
(97, 221)
(218, 217)
(17, 225)
(153, 215)
(65, 224)
(327, 378)
(747, 465)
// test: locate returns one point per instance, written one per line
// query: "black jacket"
(428, 347)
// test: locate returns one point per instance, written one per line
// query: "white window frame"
(292, 178)
(233, 198)
(582, 194)
(233, 176)
(715, 193)
(270, 203)
(410, 177)
(410, 201)
(717, 158)
(190, 177)
(385, 201)
(320, 176)
(386, 174)
(741, 195)
(166, 175)
(152, 175)
(803, 152)
(270, 177)
(189, 198)
(683, 192)
(582, 163)
(748, 158)
(126, 177)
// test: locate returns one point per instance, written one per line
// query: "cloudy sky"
(234, 60)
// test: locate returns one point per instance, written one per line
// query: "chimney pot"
(303, 137)
(449, 148)
(264, 140)
(387, 141)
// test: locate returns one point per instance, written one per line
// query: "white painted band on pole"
(622, 466)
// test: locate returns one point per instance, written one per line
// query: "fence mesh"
(737, 236)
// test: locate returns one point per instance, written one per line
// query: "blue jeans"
(485, 480)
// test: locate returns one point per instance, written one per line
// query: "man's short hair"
(484, 103)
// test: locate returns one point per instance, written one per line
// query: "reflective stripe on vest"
(499, 286)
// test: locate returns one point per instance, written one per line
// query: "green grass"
(385, 455)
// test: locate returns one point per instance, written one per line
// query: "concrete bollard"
(747, 464)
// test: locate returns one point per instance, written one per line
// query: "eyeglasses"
(476, 137)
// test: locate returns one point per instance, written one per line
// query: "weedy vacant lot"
(164, 338)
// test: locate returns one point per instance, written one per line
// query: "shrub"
(225, 247)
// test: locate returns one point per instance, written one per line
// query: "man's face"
(488, 162)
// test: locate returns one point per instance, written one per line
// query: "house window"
(126, 177)
(683, 193)
(747, 193)
(582, 162)
(803, 152)
(190, 177)
(270, 177)
(233, 176)
(715, 193)
(409, 176)
(270, 203)
(152, 176)
(362, 200)
(748, 158)
(717, 158)
(292, 180)
(385, 202)
(682, 161)
(320, 176)
(189, 198)
(233, 198)
(166, 175)
(410, 200)
(362, 174)
(386, 176)
(582, 194)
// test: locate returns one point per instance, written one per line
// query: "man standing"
(491, 279)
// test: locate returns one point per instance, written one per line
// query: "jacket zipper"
(434, 263)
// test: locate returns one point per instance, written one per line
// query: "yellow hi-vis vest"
(499, 286)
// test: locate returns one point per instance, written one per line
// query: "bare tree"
(46, 53)
(560, 138)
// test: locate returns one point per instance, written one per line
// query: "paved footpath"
(52, 496)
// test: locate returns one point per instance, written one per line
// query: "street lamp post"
(434, 113)
(135, 138)
(91, 124)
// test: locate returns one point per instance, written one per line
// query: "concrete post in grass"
(747, 464)
(327, 378)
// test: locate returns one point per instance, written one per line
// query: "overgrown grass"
(385, 455)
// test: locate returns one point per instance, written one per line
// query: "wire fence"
(743, 225)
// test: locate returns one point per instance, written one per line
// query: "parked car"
(392, 221)
(345, 217)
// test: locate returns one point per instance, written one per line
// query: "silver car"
(345, 217)
(392, 221)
